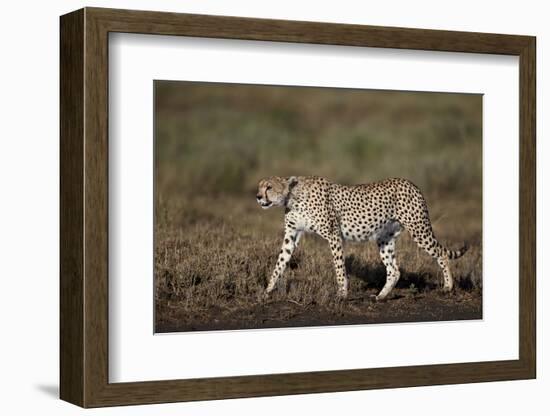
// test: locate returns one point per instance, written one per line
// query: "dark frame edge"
(72, 342)
(187, 390)
(277, 30)
(527, 208)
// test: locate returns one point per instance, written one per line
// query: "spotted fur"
(377, 211)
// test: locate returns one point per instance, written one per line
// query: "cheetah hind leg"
(443, 262)
(422, 233)
(336, 248)
(386, 245)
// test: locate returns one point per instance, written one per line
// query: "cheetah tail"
(455, 254)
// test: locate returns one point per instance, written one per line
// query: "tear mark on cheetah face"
(274, 191)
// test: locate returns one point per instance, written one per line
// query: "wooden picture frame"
(84, 207)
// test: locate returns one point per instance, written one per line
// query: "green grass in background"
(222, 138)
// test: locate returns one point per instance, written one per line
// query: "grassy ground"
(215, 248)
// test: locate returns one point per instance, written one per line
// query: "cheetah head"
(274, 191)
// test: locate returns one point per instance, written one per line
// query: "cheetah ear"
(292, 182)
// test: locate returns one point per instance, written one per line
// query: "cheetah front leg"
(290, 242)
(336, 248)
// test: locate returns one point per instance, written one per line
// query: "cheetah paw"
(341, 295)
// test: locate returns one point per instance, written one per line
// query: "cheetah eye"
(268, 188)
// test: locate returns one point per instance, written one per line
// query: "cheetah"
(376, 211)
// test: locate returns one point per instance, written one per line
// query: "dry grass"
(215, 248)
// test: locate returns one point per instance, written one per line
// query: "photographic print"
(292, 206)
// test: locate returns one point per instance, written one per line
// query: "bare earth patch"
(403, 306)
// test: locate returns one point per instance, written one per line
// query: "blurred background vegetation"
(221, 138)
(214, 141)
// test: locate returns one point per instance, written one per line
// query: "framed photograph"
(255, 207)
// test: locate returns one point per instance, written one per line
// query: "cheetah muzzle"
(377, 211)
